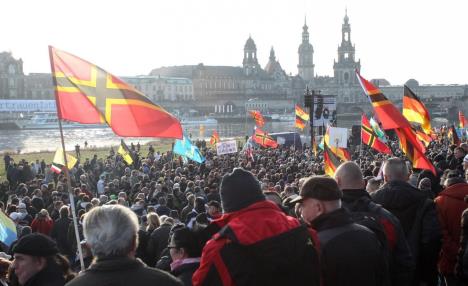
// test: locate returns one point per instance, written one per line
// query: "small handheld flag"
(125, 152)
(58, 162)
(186, 149)
(7, 229)
(214, 138)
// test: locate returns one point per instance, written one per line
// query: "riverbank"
(101, 152)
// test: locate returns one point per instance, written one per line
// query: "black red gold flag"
(415, 111)
(331, 161)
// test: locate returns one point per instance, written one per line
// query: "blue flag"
(186, 149)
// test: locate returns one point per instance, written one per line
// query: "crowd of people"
(273, 218)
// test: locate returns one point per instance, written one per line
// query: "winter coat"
(42, 225)
(461, 268)
(401, 262)
(50, 276)
(60, 234)
(158, 241)
(418, 218)
(122, 271)
(450, 205)
(258, 245)
(351, 257)
(185, 272)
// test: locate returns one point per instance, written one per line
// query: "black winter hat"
(239, 189)
(36, 244)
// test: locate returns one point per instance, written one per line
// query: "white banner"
(338, 137)
(226, 147)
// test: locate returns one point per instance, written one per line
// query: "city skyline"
(141, 36)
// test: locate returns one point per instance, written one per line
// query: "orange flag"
(258, 117)
(214, 138)
(264, 139)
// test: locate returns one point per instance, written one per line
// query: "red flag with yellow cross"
(86, 93)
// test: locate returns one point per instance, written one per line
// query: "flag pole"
(360, 146)
(67, 173)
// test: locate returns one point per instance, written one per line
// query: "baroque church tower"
(250, 62)
(344, 69)
(306, 57)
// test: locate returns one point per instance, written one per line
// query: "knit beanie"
(239, 189)
(36, 244)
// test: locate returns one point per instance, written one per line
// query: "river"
(49, 140)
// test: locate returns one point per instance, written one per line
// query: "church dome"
(250, 44)
(412, 83)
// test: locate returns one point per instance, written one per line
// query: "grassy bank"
(85, 153)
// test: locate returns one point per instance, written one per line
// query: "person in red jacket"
(42, 223)
(255, 243)
(450, 205)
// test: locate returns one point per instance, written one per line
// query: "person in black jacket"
(356, 199)
(350, 254)
(417, 215)
(159, 238)
(60, 232)
(185, 251)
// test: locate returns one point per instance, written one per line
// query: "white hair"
(395, 169)
(111, 230)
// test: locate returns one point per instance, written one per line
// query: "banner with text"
(226, 147)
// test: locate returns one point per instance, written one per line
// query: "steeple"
(346, 64)
(272, 54)
(250, 62)
(306, 56)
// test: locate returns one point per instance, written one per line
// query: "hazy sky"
(395, 39)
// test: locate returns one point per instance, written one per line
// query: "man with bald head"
(358, 201)
(417, 215)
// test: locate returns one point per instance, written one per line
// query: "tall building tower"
(250, 62)
(306, 57)
(344, 69)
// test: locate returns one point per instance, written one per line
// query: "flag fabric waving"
(415, 111)
(214, 138)
(125, 152)
(186, 149)
(388, 114)
(368, 137)
(7, 229)
(331, 161)
(58, 163)
(376, 127)
(258, 117)
(462, 120)
(299, 123)
(412, 149)
(453, 136)
(301, 113)
(342, 153)
(264, 139)
(85, 93)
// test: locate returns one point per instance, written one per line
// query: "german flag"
(453, 136)
(368, 137)
(412, 149)
(258, 117)
(86, 93)
(264, 139)
(423, 137)
(415, 111)
(388, 114)
(301, 113)
(214, 138)
(331, 160)
(462, 119)
(299, 123)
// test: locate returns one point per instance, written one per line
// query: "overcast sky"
(395, 39)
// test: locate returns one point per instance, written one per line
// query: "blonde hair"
(153, 221)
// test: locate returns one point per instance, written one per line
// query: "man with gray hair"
(417, 215)
(111, 233)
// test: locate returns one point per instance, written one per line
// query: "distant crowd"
(272, 218)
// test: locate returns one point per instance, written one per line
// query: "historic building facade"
(231, 90)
